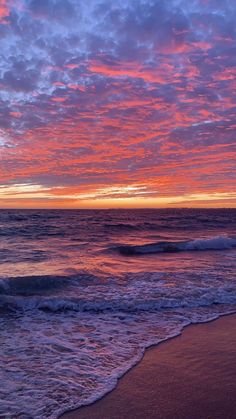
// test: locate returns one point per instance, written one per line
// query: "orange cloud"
(16, 114)
(59, 99)
(4, 11)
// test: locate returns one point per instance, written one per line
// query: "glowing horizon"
(123, 197)
(117, 104)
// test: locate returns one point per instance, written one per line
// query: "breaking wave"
(28, 285)
(129, 300)
(213, 243)
(41, 284)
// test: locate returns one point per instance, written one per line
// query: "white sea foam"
(213, 243)
(55, 363)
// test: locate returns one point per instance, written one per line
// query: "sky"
(117, 103)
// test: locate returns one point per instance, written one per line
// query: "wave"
(141, 226)
(28, 285)
(43, 284)
(213, 243)
(120, 306)
(122, 226)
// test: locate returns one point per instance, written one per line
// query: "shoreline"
(188, 376)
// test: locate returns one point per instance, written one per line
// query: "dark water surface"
(82, 293)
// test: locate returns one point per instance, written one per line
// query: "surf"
(212, 243)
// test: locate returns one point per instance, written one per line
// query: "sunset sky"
(117, 103)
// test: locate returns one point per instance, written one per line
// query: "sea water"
(83, 293)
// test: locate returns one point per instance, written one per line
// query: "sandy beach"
(192, 376)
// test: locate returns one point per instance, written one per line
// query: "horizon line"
(113, 208)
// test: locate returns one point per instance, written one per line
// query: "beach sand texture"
(192, 376)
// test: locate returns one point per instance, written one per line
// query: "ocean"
(84, 292)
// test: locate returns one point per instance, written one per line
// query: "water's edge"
(135, 361)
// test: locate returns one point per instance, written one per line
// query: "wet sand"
(192, 376)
